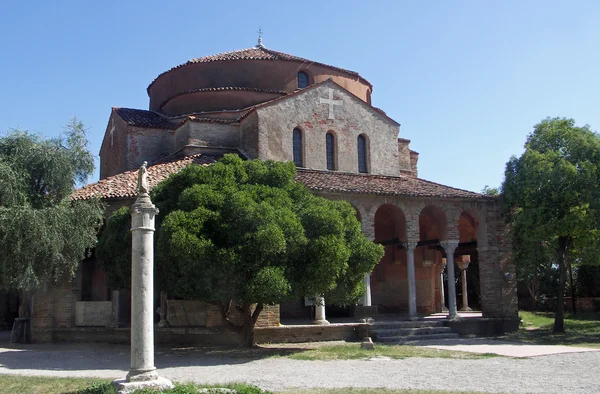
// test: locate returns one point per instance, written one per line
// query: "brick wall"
(54, 308)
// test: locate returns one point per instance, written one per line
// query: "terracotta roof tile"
(406, 186)
(151, 119)
(142, 118)
(256, 53)
(123, 185)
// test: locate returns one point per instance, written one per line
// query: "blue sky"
(466, 79)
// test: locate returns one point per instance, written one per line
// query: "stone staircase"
(407, 331)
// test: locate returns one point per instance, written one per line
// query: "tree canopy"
(244, 232)
(553, 191)
(44, 235)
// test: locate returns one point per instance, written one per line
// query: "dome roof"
(235, 80)
(255, 53)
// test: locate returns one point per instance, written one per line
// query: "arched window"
(302, 80)
(297, 137)
(362, 154)
(330, 150)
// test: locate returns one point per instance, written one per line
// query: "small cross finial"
(260, 33)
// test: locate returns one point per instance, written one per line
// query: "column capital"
(410, 245)
(449, 246)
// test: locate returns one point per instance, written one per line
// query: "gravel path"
(561, 373)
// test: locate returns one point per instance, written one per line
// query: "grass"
(353, 351)
(44, 385)
(536, 328)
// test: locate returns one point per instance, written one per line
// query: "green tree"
(553, 192)
(245, 234)
(490, 191)
(44, 235)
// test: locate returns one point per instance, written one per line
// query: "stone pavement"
(557, 373)
(503, 348)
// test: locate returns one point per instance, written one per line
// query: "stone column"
(410, 272)
(367, 297)
(463, 264)
(142, 372)
(320, 311)
(442, 296)
(450, 247)
(116, 305)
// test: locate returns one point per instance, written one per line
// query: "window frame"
(363, 160)
(333, 152)
(298, 131)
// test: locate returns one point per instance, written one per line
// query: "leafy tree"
(490, 191)
(245, 234)
(553, 191)
(44, 235)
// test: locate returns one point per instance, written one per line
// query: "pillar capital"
(410, 245)
(449, 246)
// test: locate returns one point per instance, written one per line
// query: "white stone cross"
(331, 103)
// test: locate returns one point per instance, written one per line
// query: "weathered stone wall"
(351, 119)
(404, 155)
(54, 309)
(93, 313)
(211, 134)
(125, 147)
(249, 136)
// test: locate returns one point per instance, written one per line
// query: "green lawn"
(41, 385)
(536, 327)
(351, 351)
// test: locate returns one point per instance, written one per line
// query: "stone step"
(382, 333)
(405, 324)
(406, 339)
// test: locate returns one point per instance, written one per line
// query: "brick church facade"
(264, 104)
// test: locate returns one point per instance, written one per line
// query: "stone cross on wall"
(331, 103)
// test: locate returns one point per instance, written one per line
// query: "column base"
(444, 309)
(122, 386)
(141, 375)
(466, 309)
(367, 343)
(320, 322)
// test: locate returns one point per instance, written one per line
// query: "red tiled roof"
(256, 53)
(142, 118)
(406, 186)
(123, 185)
(221, 89)
(154, 120)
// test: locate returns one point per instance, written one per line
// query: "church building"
(264, 104)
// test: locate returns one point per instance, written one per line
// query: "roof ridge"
(222, 88)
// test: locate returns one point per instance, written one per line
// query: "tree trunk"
(573, 301)
(250, 319)
(559, 318)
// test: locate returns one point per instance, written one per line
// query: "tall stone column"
(320, 311)
(463, 264)
(142, 372)
(442, 296)
(450, 247)
(367, 297)
(410, 272)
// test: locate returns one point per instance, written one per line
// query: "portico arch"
(388, 280)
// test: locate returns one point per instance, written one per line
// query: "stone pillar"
(142, 372)
(367, 297)
(442, 296)
(410, 272)
(463, 264)
(450, 247)
(116, 304)
(320, 311)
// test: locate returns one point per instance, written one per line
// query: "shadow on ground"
(79, 357)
